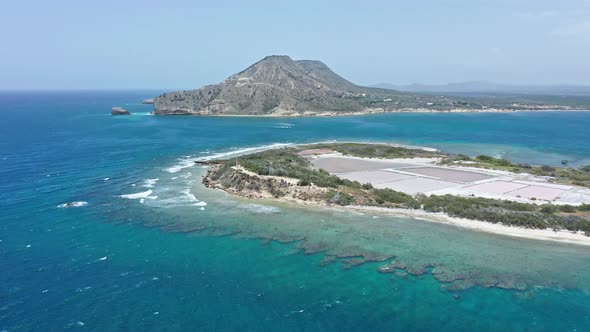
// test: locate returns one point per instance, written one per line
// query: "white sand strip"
(535, 234)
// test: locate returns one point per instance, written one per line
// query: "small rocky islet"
(119, 111)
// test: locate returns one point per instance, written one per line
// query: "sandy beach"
(482, 226)
(422, 175)
(562, 236)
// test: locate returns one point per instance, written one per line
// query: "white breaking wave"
(149, 183)
(182, 198)
(178, 194)
(188, 196)
(242, 151)
(283, 125)
(144, 194)
(142, 200)
(189, 161)
(73, 204)
(183, 163)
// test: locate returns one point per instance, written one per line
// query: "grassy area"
(367, 150)
(287, 163)
(565, 175)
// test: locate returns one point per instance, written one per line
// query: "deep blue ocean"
(151, 249)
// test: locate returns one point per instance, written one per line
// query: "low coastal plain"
(481, 193)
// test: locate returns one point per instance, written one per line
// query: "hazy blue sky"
(185, 44)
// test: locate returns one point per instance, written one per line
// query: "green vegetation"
(491, 210)
(492, 160)
(382, 151)
(383, 196)
(564, 175)
(287, 163)
(339, 197)
(507, 212)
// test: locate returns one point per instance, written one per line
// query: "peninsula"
(280, 86)
(486, 193)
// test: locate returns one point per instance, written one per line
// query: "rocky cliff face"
(275, 85)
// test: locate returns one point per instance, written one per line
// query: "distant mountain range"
(280, 86)
(491, 87)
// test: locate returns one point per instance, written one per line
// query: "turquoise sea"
(153, 250)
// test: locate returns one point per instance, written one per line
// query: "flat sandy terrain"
(416, 185)
(421, 175)
(340, 164)
(376, 177)
(448, 174)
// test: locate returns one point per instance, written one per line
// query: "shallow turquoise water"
(174, 263)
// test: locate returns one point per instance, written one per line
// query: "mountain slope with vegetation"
(278, 85)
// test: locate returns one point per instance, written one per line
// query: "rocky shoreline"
(240, 182)
(287, 114)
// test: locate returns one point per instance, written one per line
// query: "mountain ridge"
(279, 86)
(274, 85)
(491, 87)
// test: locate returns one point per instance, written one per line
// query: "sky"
(177, 44)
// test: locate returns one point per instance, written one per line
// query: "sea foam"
(283, 125)
(189, 161)
(73, 204)
(149, 183)
(182, 198)
(182, 164)
(242, 151)
(144, 194)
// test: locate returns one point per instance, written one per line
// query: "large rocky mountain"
(278, 85)
(274, 85)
